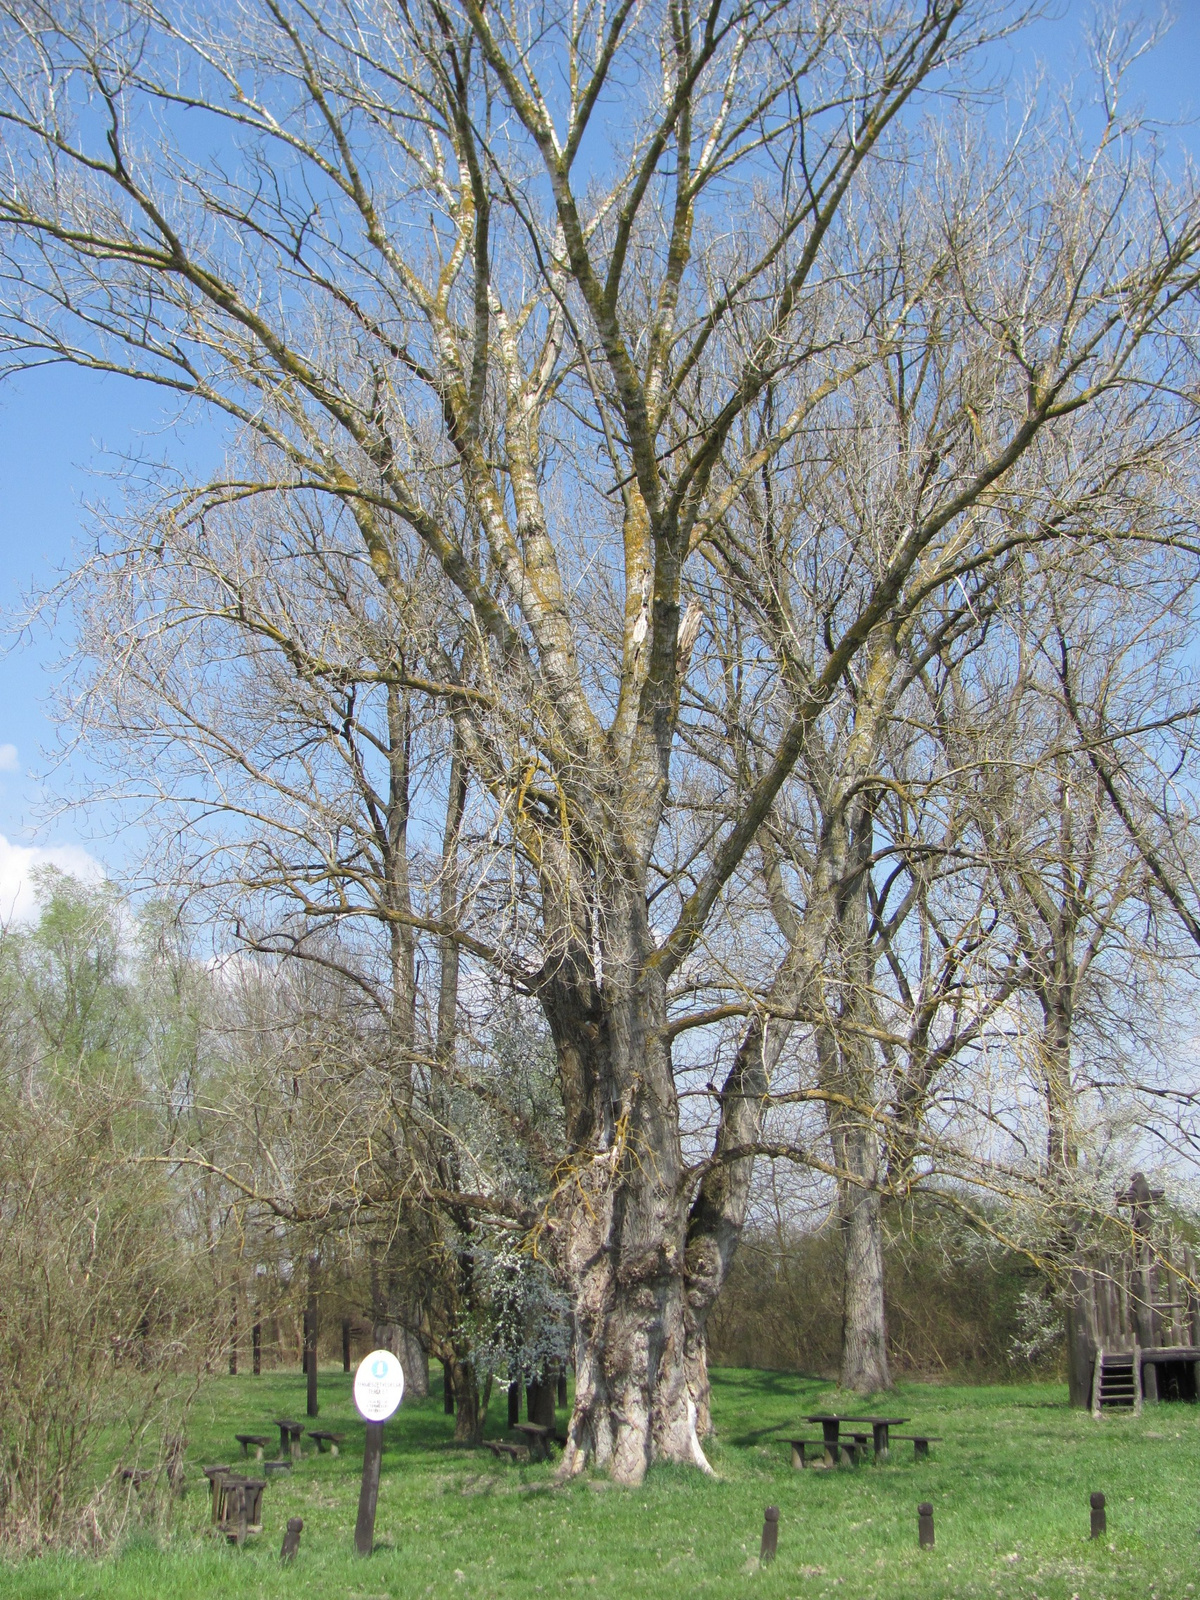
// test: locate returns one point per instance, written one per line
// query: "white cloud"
(8, 758)
(18, 893)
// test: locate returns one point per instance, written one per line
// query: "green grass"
(1010, 1489)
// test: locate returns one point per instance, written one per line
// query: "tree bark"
(469, 1412)
(403, 1342)
(1062, 1144)
(864, 1325)
(718, 1214)
(621, 1219)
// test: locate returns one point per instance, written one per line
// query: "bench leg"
(920, 1448)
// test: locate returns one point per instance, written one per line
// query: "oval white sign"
(378, 1386)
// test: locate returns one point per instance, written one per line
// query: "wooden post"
(310, 1360)
(345, 1344)
(233, 1334)
(540, 1402)
(310, 1338)
(562, 1386)
(1099, 1519)
(1148, 1388)
(925, 1525)
(291, 1539)
(514, 1403)
(770, 1535)
(368, 1495)
(256, 1348)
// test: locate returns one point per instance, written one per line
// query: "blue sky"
(63, 432)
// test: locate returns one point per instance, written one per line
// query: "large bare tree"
(535, 297)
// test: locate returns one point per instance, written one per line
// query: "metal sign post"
(378, 1390)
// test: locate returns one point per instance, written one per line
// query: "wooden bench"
(241, 1506)
(851, 1449)
(503, 1451)
(326, 1440)
(920, 1442)
(236, 1503)
(260, 1441)
(540, 1439)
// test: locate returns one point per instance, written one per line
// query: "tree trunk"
(864, 1329)
(404, 1344)
(469, 1413)
(718, 1213)
(1062, 1143)
(839, 927)
(621, 1223)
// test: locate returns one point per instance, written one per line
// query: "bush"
(956, 1305)
(94, 1310)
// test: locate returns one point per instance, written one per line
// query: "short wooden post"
(925, 1525)
(770, 1535)
(291, 1539)
(256, 1348)
(1099, 1518)
(514, 1403)
(345, 1344)
(310, 1339)
(368, 1495)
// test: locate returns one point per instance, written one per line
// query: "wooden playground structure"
(1133, 1321)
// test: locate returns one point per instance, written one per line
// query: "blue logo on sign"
(379, 1369)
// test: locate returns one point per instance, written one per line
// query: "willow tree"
(538, 292)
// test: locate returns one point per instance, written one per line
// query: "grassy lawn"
(1009, 1485)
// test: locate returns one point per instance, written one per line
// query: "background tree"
(107, 1307)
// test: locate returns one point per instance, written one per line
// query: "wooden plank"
(1097, 1379)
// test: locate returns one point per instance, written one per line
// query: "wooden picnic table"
(289, 1437)
(831, 1423)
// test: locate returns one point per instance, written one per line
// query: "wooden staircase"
(1117, 1381)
